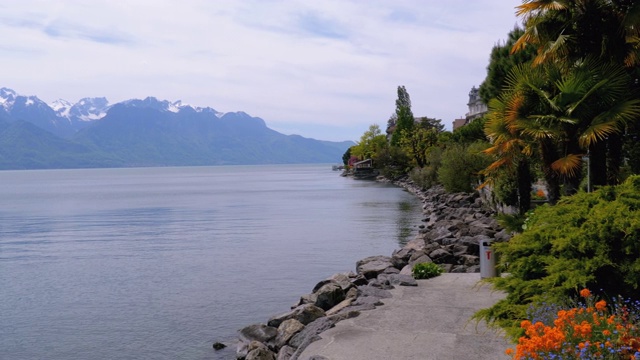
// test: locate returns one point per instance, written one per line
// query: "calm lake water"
(158, 263)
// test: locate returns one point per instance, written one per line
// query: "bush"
(426, 270)
(461, 165)
(587, 240)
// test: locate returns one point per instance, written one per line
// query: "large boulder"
(441, 256)
(285, 353)
(256, 333)
(329, 295)
(344, 280)
(304, 313)
(373, 266)
(261, 353)
(286, 330)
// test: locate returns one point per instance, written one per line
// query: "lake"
(159, 263)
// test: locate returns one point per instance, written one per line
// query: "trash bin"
(487, 260)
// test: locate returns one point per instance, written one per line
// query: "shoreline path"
(429, 322)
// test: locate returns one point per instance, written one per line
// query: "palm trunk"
(598, 163)
(614, 159)
(549, 154)
(524, 186)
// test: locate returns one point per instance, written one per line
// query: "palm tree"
(510, 148)
(559, 114)
(566, 31)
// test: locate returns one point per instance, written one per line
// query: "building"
(477, 108)
(459, 123)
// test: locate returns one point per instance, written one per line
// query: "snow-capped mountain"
(87, 109)
(31, 109)
(148, 132)
(166, 105)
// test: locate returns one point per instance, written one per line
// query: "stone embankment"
(451, 229)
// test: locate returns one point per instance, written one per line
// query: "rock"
(469, 260)
(403, 280)
(364, 291)
(407, 270)
(344, 280)
(438, 233)
(473, 269)
(352, 293)
(446, 267)
(305, 299)
(459, 269)
(304, 313)
(471, 243)
(261, 354)
(459, 250)
(503, 235)
(367, 300)
(258, 332)
(359, 280)
(381, 283)
(320, 284)
(441, 256)
(286, 330)
(329, 295)
(371, 266)
(285, 353)
(310, 333)
(336, 309)
(392, 270)
(218, 346)
(420, 260)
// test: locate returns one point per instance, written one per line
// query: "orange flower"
(601, 305)
(606, 332)
(585, 293)
(509, 351)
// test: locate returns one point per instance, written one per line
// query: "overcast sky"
(321, 69)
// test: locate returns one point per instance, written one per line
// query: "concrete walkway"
(428, 322)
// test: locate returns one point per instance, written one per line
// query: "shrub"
(586, 240)
(461, 165)
(426, 270)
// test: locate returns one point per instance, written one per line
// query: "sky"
(325, 69)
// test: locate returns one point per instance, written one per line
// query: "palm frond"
(568, 165)
(536, 7)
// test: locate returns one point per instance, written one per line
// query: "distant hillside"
(146, 132)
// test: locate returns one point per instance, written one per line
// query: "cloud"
(326, 68)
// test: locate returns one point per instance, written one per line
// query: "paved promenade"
(428, 322)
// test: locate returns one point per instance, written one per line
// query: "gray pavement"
(429, 322)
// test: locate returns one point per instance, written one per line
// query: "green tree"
(430, 123)
(404, 116)
(371, 142)
(472, 132)
(346, 156)
(500, 63)
(417, 143)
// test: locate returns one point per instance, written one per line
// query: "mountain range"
(149, 132)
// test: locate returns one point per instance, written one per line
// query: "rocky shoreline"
(452, 227)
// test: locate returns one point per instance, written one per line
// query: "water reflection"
(408, 215)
